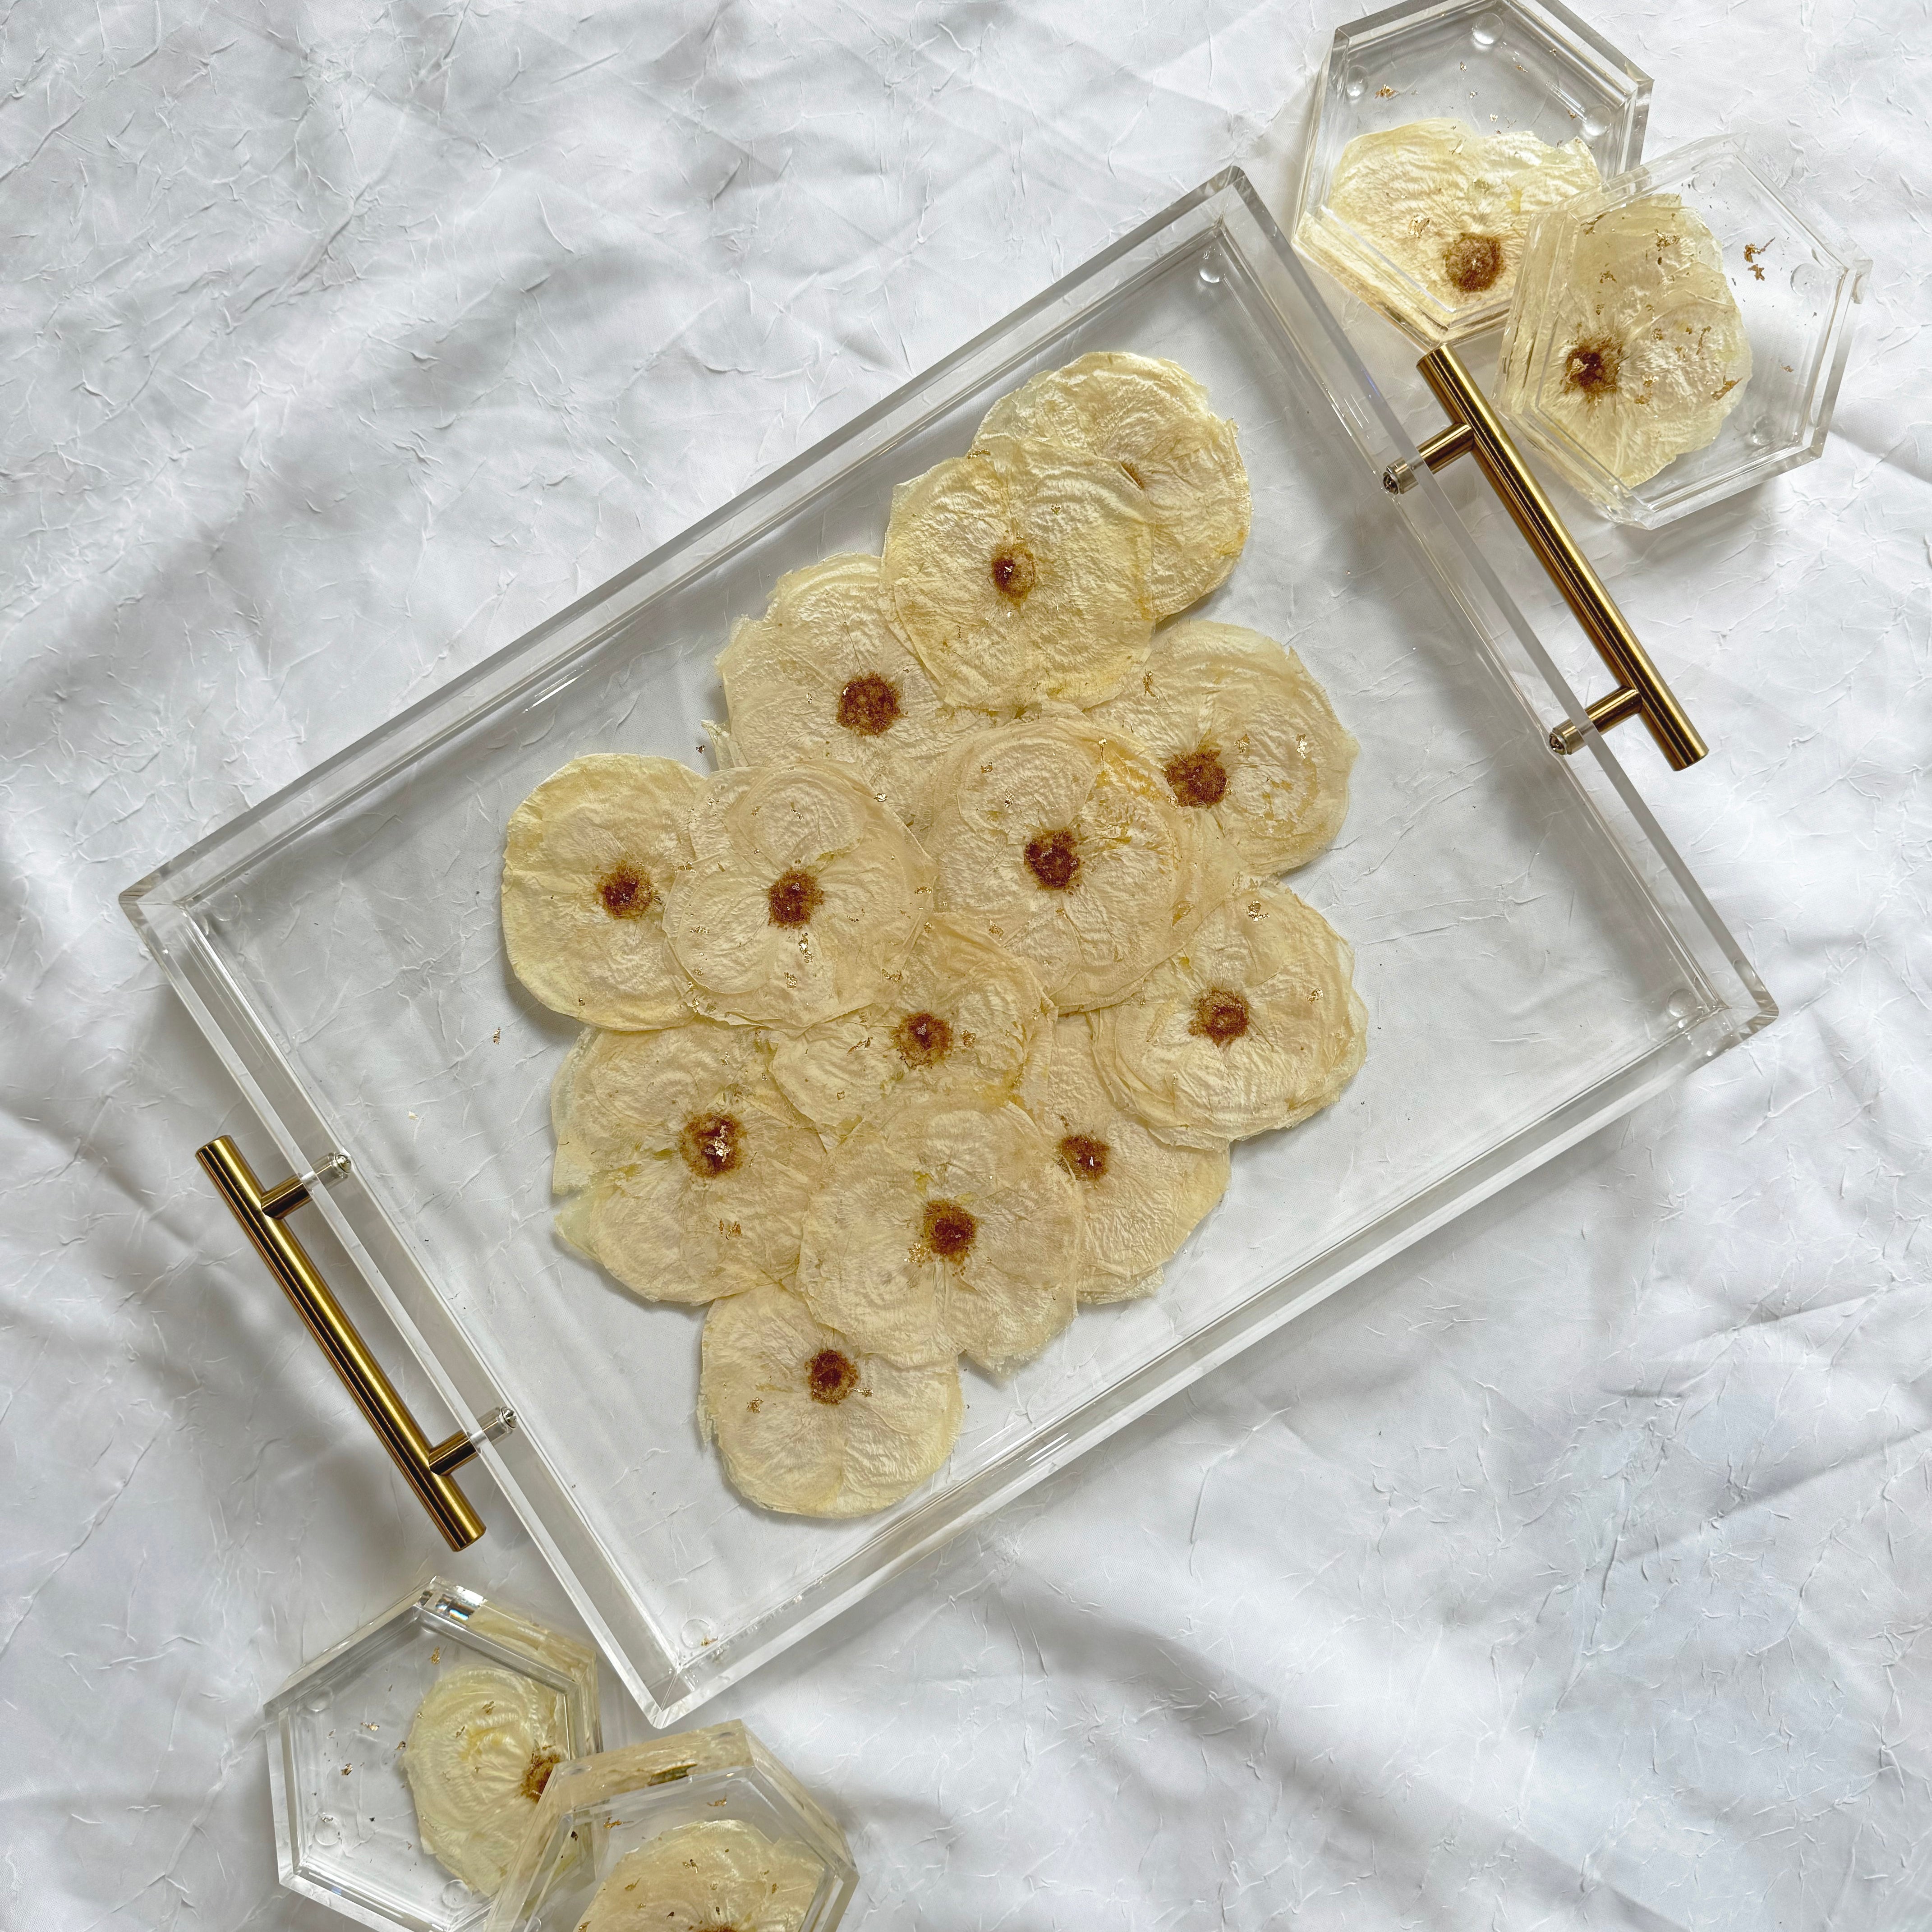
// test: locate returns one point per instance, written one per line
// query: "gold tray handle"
(1474, 429)
(426, 1467)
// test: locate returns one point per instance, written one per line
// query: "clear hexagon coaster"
(1442, 126)
(1680, 334)
(706, 1828)
(346, 1825)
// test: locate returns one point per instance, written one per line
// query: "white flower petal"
(719, 1875)
(1650, 354)
(1151, 418)
(803, 894)
(695, 1171)
(1254, 1024)
(1450, 207)
(946, 1227)
(1143, 1197)
(808, 1422)
(481, 1746)
(588, 859)
(962, 1014)
(1244, 736)
(1019, 571)
(1063, 841)
(822, 674)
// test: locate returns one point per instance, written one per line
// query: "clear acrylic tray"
(1535, 957)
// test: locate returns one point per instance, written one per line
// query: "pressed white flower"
(1063, 842)
(695, 1170)
(809, 1423)
(803, 893)
(618, 1095)
(822, 674)
(1451, 207)
(1018, 571)
(1254, 1024)
(961, 1014)
(1652, 354)
(1143, 1197)
(1244, 736)
(946, 1227)
(482, 1746)
(1152, 417)
(719, 1875)
(587, 860)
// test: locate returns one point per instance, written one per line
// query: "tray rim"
(158, 905)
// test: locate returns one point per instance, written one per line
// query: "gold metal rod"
(1570, 570)
(1626, 701)
(1458, 440)
(1444, 447)
(452, 1454)
(348, 1354)
(284, 1199)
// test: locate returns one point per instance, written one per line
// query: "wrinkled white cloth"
(1573, 1572)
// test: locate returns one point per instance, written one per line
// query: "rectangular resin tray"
(1535, 959)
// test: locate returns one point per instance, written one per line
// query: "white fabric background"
(1574, 1572)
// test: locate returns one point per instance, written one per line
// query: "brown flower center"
(1014, 574)
(1220, 1015)
(1474, 262)
(923, 1039)
(868, 705)
(1199, 777)
(794, 897)
(537, 1773)
(625, 892)
(1052, 860)
(1084, 1157)
(831, 1377)
(949, 1230)
(1591, 368)
(712, 1144)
